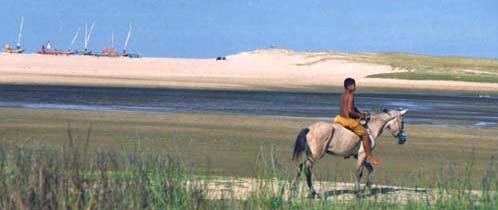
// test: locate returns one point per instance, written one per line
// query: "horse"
(331, 138)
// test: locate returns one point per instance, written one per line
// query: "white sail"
(88, 34)
(127, 38)
(85, 45)
(20, 33)
(74, 38)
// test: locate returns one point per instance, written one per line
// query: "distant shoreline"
(272, 69)
(321, 89)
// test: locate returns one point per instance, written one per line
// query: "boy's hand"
(365, 115)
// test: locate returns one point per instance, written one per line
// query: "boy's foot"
(373, 160)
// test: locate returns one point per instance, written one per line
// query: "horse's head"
(396, 124)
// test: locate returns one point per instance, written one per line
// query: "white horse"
(330, 138)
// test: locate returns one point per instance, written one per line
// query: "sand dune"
(260, 69)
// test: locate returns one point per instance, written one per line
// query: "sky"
(209, 28)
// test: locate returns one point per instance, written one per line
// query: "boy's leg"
(362, 132)
(368, 150)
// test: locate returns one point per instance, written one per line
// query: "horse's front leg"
(359, 174)
(370, 172)
(360, 163)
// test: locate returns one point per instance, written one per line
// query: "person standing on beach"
(350, 116)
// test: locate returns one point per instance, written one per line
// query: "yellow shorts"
(351, 124)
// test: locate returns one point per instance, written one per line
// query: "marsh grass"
(423, 67)
(419, 67)
(76, 177)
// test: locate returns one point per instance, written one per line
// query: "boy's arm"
(353, 111)
(356, 109)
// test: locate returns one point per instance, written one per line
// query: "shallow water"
(445, 109)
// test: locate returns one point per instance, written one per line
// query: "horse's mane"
(379, 116)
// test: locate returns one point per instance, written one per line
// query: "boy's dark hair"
(348, 81)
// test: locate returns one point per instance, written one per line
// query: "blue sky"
(207, 28)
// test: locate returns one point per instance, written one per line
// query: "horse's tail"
(301, 144)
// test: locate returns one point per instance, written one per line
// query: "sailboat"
(8, 49)
(46, 50)
(110, 51)
(88, 34)
(125, 53)
(73, 41)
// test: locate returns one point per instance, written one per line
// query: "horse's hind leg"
(307, 166)
(296, 180)
(308, 173)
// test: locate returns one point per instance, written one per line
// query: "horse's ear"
(402, 112)
(385, 110)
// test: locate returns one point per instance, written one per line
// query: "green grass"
(439, 76)
(77, 177)
(423, 67)
(426, 62)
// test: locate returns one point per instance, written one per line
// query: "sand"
(260, 69)
(243, 188)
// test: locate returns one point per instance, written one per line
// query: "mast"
(127, 39)
(88, 34)
(20, 33)
(85, 44)
(112, 40)
(74, 38)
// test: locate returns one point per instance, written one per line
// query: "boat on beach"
(18, 49)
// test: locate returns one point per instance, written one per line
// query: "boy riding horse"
(350, 116)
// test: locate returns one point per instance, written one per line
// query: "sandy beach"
(260, 69)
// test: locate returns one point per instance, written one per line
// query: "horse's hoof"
(360, 194)
(313, 195)
(368, 189)
(368, 184)
(293, 194)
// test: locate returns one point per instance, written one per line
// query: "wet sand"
(443, 109)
